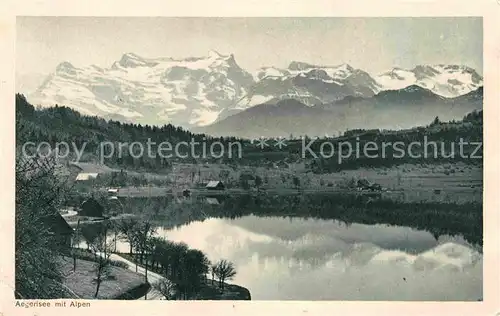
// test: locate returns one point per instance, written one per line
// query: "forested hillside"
(62, 124)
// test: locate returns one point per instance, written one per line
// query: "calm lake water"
(316, 259)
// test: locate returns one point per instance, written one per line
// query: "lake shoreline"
(209, 290)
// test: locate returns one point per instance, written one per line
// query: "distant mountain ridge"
(198, 91)
(391, 109)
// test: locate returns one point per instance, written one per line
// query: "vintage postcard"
(274, 161)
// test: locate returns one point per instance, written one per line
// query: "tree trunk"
(74, 261)
(97, 289)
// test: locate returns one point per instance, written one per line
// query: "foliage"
(87, 255)
(166, 288)
(142, 233)
(185, 268)
(37, 247)
(127, 231)
(258, 181)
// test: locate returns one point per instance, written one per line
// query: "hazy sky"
(372, 44)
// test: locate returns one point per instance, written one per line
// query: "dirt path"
(152, 278)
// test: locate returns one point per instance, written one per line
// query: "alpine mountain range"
(214, 95)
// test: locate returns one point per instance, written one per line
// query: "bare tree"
(143, 233)
(127, 231)
(75, 243)
(166, 288)
(142, 237)
(224, 271)
(100, 247)
(213, 271)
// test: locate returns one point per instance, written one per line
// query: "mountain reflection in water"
(294, 258)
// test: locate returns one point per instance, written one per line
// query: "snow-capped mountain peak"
(311, 84)
(445, 80)
(186, 92)
(65, 68)
(341, 71)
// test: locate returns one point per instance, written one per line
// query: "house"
(215, 185)
(58, 226)
(91, 208)
(85, 176)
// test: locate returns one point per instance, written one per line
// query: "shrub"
(89, 256)
(119, 264)
(347, 183)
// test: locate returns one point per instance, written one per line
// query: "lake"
(279, 258)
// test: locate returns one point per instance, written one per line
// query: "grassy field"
(458, 183)
(81, 282)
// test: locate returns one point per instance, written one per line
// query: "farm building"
(89, 170)
(91, 208)
(57, 225)
(215, 185)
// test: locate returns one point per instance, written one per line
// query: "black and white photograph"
(249, 158)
